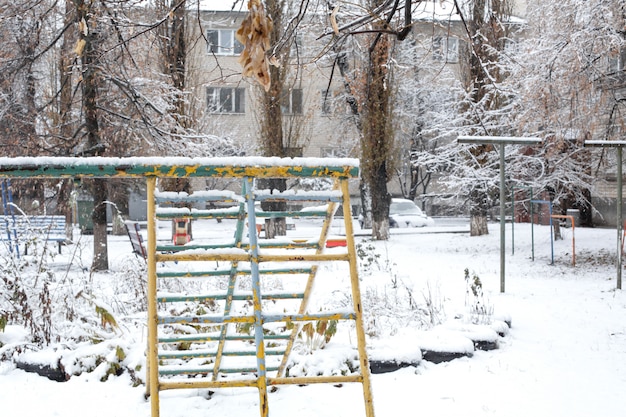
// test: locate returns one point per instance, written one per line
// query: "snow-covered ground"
(563, 356)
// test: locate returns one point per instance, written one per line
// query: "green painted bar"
(102, 167)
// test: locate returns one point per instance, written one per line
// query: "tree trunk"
(381, 200)
(485, 35)
(478, 225)
(99, 217)
(377, 142)
(271, 120)
(90, 85)
(64, 201)
(479, 209)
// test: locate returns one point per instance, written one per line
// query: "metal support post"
(501, 141)
(620, 223)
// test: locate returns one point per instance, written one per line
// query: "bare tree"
(571, 84)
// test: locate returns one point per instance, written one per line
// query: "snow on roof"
(222, 5)
(435, 10)
(443, 10)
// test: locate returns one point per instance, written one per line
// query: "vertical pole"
(502, 222)
(152, 382)
(513, 220)
(532, 226)
(356, 300)
(573, 241)
(551, 234)
(259, 339)
(619, 217)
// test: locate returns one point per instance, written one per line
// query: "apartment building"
(317, 119)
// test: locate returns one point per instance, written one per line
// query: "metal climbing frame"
(241, 333)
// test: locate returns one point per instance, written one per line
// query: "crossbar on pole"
(501, 141)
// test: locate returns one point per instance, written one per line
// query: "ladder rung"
(269, 244)
(179, 248)
(330, 196)
(222, 296)
(271, 318)
(188, 354)
(205, 319)
(215, 337)
(309, 257)
(227, 272)
(216, 255)
(199, 214)
(290, 214)
(194, 274)
(171, 370)
(278, 244)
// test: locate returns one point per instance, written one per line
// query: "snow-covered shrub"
(391, 303)
(368, 258)
(25, 295)
(54, 305)
(131, 286)
(479, 310)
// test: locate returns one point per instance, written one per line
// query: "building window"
(446, 48)
(333, 152)
(291, 102)
(223, 42)
(617, 62)
(226, 100)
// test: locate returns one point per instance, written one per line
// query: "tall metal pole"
(502, 220)
(501, 141)
(620, 222)
(619, 144)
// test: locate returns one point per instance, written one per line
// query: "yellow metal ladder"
(248, 346)
(205, 334)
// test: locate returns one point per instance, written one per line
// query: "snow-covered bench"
(22, 229)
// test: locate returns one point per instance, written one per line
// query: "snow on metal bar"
(177, 167)
(605, 143)
(198, 196)
(298, 195)
(506, 140)
(216, 337)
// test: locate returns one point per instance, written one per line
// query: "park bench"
(133, 229)
(22, 229)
